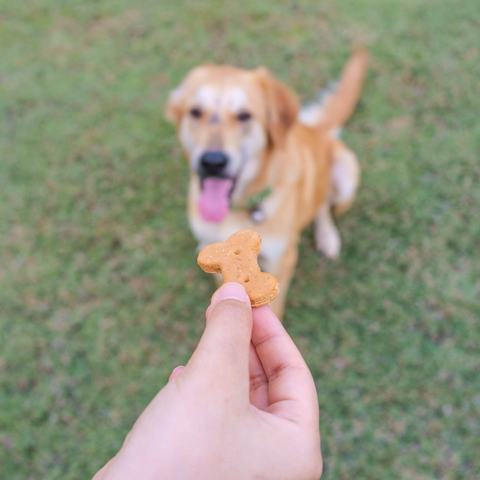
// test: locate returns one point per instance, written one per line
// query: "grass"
(100, 295)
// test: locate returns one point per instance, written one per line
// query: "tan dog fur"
(308, 170)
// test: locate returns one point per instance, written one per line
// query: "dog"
(259, 162)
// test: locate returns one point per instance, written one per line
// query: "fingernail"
(176, 371)
(231, 291)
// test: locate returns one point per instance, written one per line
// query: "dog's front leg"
(326, 234)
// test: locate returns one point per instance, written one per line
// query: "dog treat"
(236, 260)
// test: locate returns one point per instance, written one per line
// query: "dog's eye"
(244, 116)
(196, 113)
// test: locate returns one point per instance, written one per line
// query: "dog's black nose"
(213, 163)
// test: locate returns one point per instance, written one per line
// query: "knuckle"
(257, 381)
(281, 368)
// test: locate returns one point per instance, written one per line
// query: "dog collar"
(255, 200)
(253, 205)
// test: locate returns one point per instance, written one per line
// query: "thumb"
(223, 352)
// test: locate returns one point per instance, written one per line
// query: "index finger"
(291, 389)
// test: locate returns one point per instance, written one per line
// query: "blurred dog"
(258, 162)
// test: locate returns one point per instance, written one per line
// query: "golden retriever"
(258, 162)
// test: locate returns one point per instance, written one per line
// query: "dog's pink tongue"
(214, 199)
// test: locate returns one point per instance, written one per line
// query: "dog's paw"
(329, 243)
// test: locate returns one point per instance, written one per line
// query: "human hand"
(244, 407)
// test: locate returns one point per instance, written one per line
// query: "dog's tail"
(339, 105)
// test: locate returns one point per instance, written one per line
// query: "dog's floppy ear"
(175, 104)
(177, 100)
(282, 106)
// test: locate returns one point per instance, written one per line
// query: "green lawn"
(100, 294)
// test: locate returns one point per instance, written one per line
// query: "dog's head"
(227, 119)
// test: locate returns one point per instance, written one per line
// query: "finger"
(258, 381)
(291, 390)
(222, 355)
(103, 471)
(176, 372)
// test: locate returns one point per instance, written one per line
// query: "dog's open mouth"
(214, 201)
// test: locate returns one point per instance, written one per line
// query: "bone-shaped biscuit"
(236, 260)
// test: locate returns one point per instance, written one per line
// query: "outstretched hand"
(244, 407)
